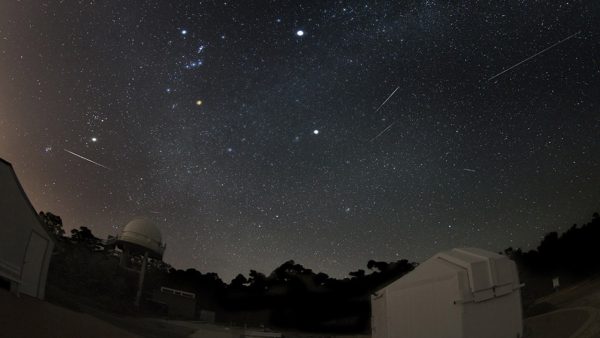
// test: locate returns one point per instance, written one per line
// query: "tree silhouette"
(572, 256)
(360, 273)
(85, 237)
(239, 281)
(53, 224)
(292, 295)
(381, 266)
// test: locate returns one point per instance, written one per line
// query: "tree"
(322, 279)
(257, 281)
(239, 281)
(360, 273)
(53, 224)
(288, 270)
(381, 266)
(85, 237)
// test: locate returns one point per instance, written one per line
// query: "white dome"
(144, 235)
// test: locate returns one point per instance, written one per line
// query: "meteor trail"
(388, 98)
(87, 159)
(470, 170)
(534, 55)
(383, 131)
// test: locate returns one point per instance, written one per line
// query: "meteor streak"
(388, 98)
(382, 132)
(87, 159)
(534, 55)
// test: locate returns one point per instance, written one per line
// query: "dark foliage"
(53, 223)
(575, 252)
(292, 296)
(571, 256)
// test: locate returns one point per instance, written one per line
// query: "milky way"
(242, 128)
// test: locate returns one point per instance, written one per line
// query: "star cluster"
(253, 132)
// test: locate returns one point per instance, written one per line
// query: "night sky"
(253, 132)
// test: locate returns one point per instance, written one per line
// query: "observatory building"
(460, 293)
(140, 237)
(25, 246)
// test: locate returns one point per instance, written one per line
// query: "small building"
(25, 245)
(460, 293)
(178, 303)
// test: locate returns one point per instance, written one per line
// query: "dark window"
(4, 283)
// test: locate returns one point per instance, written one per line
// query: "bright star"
(300, 33)
(193, 64)
(94, 139)
(183, 32)
(316, 131)
(198, 102)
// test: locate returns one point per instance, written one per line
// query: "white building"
(461, 293)
(25, 246)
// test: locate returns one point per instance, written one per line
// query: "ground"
(576, 313)
(25, 317)
(573, 312)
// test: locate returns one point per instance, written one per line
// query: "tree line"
(291, 296)
(571, 256)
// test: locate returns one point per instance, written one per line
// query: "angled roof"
(483, 274)
(40, 226)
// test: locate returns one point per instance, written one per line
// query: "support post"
(124, 258)
(138, 296)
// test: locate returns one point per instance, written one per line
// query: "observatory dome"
(142, 235)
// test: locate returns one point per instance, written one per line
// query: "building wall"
(15, 225)
(379, 315)
(425, 311)
(499, 317)
(463, 293)
(25, 246)
(177, 306)
(35, 266)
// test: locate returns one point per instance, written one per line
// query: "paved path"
(564, 323)
(578, 315)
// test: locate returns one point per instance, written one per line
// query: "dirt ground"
(27, 317)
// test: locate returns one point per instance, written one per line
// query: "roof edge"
(27, 200)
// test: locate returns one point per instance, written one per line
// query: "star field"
(250, 131)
